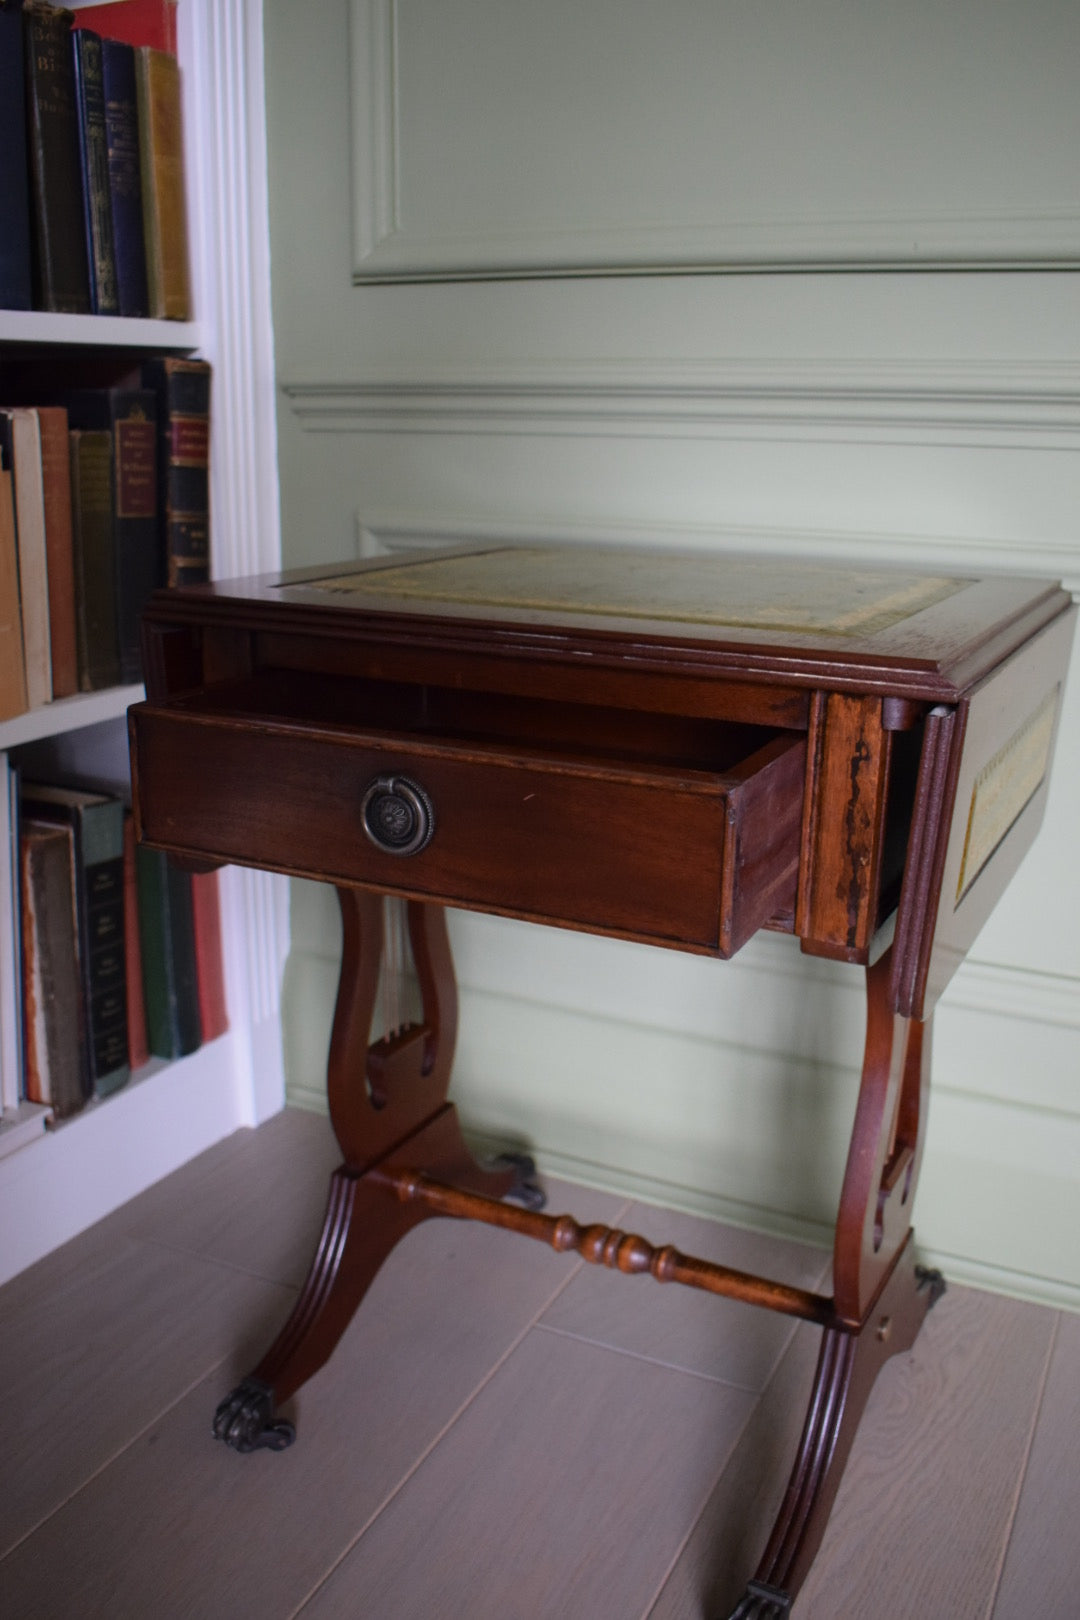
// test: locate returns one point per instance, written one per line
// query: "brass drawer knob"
(398, 816)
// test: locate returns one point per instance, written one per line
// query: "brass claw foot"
(245, 1419)
(526, 1189)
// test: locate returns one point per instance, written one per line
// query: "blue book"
(97, 210)
(15, 282)
(125, 183)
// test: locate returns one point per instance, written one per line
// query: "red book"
(209, 960)
(138, 1046)
(133, 22)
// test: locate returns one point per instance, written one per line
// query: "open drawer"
(682, 834)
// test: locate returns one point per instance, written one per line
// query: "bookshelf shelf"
(39, 327)
(68, 714)
(21, 1125)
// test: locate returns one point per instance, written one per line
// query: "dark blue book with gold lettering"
(93, 151)
(125, 183)
(15, 282)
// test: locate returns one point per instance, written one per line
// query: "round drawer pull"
(398, 816)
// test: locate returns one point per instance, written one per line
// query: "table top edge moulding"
(950, 631)
(681, 749)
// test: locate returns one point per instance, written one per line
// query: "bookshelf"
(33, 328)
(55, 1183)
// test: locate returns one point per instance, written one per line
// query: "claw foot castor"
(245, 1419)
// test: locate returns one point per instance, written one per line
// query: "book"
(12, 665)
(94, 559)
(161, 155)
(138, 1047)
(137, 22)
(209, 956)
(60, 566)
(20, 433)
(182, 390)
(167, 936)
(130, 417)
(125, 184)
(16, 287)
(97, 824)
(94, 156)
(51, 992)
(60, 270)
(12, 1088)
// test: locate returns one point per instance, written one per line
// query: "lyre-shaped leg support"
(383, 1096)
(880, 1295)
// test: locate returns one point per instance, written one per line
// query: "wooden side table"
(676, 749)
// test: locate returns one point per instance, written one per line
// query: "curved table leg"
(880, 1295)
(383, 1096)
(848, 1364)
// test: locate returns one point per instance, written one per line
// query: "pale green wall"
(928, 416)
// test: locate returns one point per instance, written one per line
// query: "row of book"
(92, 205)
(117, 952)
(104, 495)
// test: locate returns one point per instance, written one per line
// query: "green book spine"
(167, 938)
(61, 272)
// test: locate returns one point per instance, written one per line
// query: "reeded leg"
(383, 1097)
(848, 1364)
(880, 1295)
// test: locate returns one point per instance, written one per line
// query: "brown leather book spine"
(162, 163)
(94, 552)
(52, 1014)
(56, 484)
(209, 957)
(12, 667)
(25, 441)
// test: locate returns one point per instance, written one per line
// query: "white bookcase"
(55, 1182)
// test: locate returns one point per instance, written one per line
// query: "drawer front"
(638, 853)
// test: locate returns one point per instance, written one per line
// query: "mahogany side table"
(679, 749)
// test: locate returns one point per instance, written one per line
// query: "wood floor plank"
(112, 1336)
(922, 1515)
(179, 1526)
(499, 1447)
(718, 1337)
(1042, 1568)
(256, 1201)
(563, 1491)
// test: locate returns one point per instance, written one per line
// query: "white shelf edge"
(21, 1125)
(97, 331)
(69, 714)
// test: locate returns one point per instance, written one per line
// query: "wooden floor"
(504, 1434)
